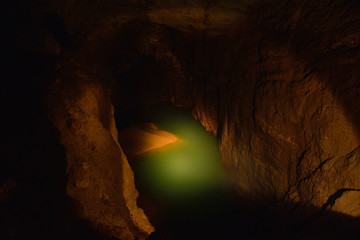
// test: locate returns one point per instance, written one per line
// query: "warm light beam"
(143, 138)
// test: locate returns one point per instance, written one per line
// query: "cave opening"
(178, 171)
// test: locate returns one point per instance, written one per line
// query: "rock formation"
(278, 83)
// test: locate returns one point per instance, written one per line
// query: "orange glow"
(143, 138)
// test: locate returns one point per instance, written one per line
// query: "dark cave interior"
(276, 82)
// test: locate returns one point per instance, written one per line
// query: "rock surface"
(100, 180)
(277, 82)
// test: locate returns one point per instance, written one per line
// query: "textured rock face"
(289, 118)
(280, 94)
(276, 81)
(100, 180)
(288, 130)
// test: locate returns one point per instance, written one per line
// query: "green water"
(184, 180)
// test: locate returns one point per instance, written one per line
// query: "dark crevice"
(55, 25)
(318, 168)
(301, 158)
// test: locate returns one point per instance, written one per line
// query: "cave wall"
(276, 81)
(99, 178)
(280, 94)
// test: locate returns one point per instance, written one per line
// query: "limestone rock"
(100, 179)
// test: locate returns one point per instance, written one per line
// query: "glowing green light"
(188, 169)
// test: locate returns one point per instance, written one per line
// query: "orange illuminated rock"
(100, 178)
(143, 138)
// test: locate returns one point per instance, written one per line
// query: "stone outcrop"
(100, 180)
